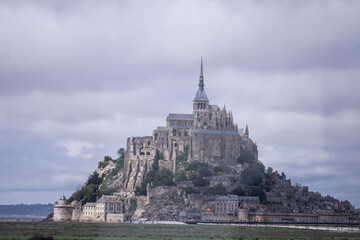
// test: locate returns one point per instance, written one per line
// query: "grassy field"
(97, 231)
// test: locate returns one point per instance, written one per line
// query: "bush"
(200, 181)
(103, 164)
(218, 170)
(164, 178)
(217, 190)
(195, 165)
(133, 205)
(192, 176)
(239, 191)
(257, 191)
(94, 179)
(190, 190)
(246, 157)
(251, 176)
(180, 176)
(204, 171)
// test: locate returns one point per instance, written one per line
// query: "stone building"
(106, 209)
(66, 212)
(209, 134)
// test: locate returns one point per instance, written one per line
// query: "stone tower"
(200, 102)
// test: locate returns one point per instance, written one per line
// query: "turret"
(246, 134)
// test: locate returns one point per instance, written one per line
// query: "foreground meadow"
(97, 231)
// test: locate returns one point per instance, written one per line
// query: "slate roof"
(163, 128)
(107, 198)
(89, 204)
(207, 131)
(201, 95)
(249, 199)
(180, 116)
(214, 107)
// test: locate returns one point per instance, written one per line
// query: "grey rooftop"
(180, 116)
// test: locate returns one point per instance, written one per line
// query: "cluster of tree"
(181, 159)
(96, 185)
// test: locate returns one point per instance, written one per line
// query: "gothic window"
(198, 105)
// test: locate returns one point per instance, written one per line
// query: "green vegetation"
(190, 190)
(200, 181)
(239, 191)
(251, 176)
(217, 190)
(181, 159)
(103, 231)
(164, 178)
(96, 185)
(133, 205)
(246, 157)
(180, 176)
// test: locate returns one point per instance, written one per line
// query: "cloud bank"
(78, 78)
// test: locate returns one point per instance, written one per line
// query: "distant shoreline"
(21, 218)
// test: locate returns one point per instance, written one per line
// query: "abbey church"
(208, 134)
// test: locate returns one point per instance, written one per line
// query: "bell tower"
(200, 102)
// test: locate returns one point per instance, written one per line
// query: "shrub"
(190, 190)
(217, 190)
(195, 165)
(133, 205)
(246, 157)
(103, 164)
(164, 178)
(251, 176)
(239, 191)
(200, 181)
(180, 176)
(204, 171)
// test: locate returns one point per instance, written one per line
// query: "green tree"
(164, 178)
(251, 176)
(190, 190)
(94, 179)
(180, 176)
(239, 191)
(107, 158)
(218, 189)
(195, 165)
(204, 171)
(200, 181)
(217, 170)
(257, 191)
(246, 157)
(269, 171)
(121, 153)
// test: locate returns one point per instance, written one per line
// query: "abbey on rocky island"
(208, 135)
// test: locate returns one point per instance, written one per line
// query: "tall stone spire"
(246, 131)
(201, 94)
(201, 78)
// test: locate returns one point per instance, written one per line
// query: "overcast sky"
(79, 77)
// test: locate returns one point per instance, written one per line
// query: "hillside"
(195, 186)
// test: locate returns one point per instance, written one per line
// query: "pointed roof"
(247, 131)
(201, 94)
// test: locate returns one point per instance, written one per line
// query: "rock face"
(208, 134)
(165, 203)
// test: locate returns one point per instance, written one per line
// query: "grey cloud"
(92, 73)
